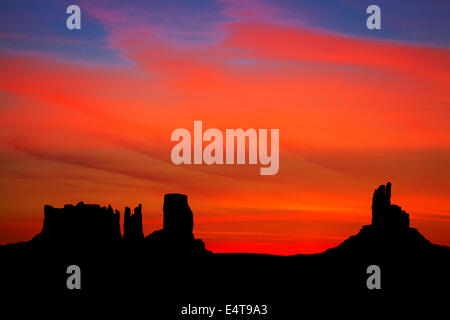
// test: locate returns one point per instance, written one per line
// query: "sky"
(87, 115)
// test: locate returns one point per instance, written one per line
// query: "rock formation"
(178, 225)
(389, 233)
(385, 215)
(132, 224)
(90, 224)
(178, 218)
(83, 223)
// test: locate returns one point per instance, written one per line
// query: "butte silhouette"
(170, 266)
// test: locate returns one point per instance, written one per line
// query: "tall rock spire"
(176, 235)
(178, 218)
(132, 224)
(384, 214)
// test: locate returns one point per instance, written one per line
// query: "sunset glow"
(89, 118)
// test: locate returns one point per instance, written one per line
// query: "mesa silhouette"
(171, 262)
(83, 226)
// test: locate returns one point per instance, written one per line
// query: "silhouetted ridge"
(170, 268)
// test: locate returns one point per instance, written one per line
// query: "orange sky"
(353, 113)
